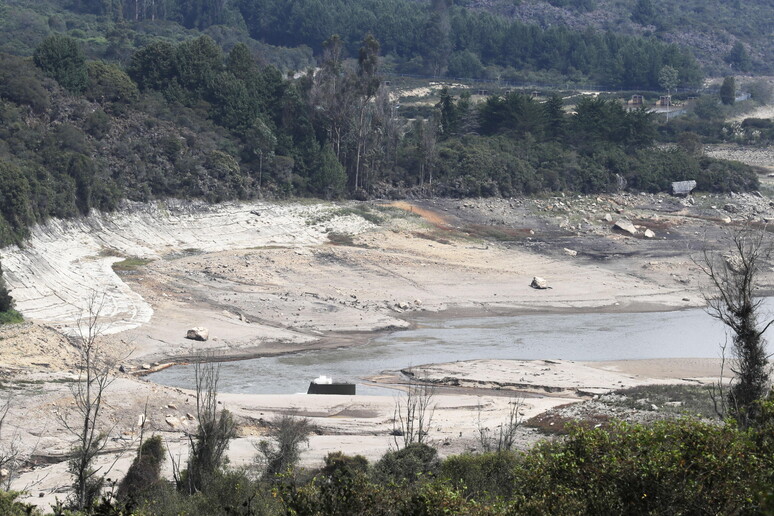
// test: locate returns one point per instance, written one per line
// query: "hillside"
(726, 37)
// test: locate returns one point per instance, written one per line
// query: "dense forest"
(725, 36)
(436, 39)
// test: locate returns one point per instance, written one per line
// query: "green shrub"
(411, 464)
(484, 477)
(669, 467)
(144, 473)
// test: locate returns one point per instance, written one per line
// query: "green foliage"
(668, 78)
(62, 58)
(761, 91)
(20, 82)
(644, 13)
(145, 472)
(413, 463)
(11, 316)
(153, 66)
(16, 213)
(707, 107)
(108, 83)
(485, 477)
(6, 302)
(670, 467)
(282, 450)
(329, 179)
(728, 91)
(738, 58)
(9, 506)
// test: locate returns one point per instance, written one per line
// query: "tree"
(153, 66)
(214, 432)
(61, 57)
(6, 301)
(738, 58)
(145, 471)
(644, 13)
(329, 177)
(728, 91)
(368, 82)
(436, 42)
(503, 437)
(413, 414)
(282, 450)
(731, 299)
(667, 79)
(108, 83)
(88, 392)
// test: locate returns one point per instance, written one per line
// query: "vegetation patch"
(11, 317)
(674, 399)
(498, 233)
(130, 264)
(344, 239)
(362, 211)
(556, 423)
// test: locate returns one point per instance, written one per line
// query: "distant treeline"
(187, 120)
(435, 37)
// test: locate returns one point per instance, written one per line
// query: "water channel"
(569, 336)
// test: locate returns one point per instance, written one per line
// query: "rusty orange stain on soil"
(431, 216)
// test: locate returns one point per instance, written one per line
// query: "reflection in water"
(587, 336)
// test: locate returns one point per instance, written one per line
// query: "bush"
(484, 477)
(670, 467)
(411, 464)
(62, 58)
(144, 473)
(281, 451)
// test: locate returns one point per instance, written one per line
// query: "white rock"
(625, 225)
(172, 421)
(198, 333)
(570, 252)
(649, 234)
(539, 283)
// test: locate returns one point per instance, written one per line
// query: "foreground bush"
(670, 467)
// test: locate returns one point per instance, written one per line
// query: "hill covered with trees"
(188, 120)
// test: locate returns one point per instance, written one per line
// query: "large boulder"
(198, 333)
(539, 283)
(625, 226)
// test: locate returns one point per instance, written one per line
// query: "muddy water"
(580, 336)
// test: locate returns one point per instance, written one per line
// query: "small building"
(636, 100)
(325, 385)
(665, 100)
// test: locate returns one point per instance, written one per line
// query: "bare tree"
(11, 454)
(731, 299)
(413, 414)
(95, 364)
(214, 432)
(503, 437)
